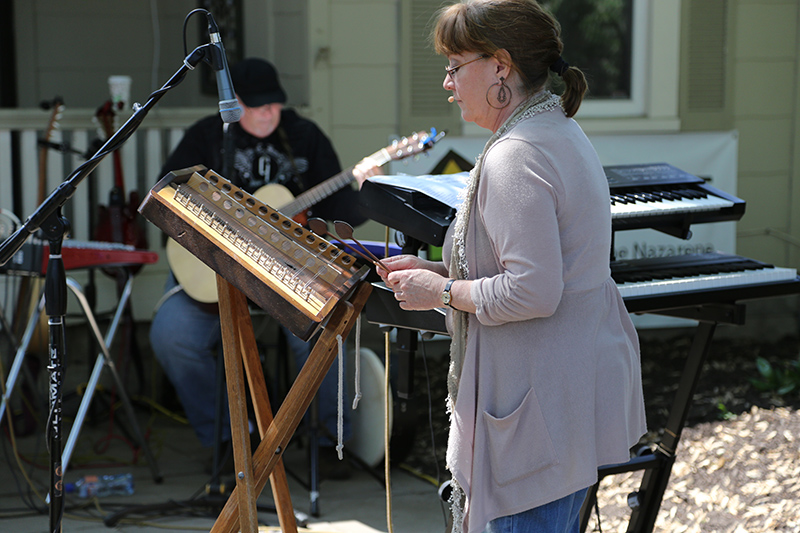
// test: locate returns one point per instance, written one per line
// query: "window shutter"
(706, 66)
(423, 102)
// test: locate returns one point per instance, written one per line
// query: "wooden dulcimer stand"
(301, 279)
(239, 513)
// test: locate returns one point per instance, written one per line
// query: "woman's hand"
(407, 262)
(364, 169)
(399, 262)
(416, 289)
(417, 283)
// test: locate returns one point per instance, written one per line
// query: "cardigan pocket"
(519, 444)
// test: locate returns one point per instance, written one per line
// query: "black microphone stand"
(54, 225)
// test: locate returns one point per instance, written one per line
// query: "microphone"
(229, 108)
(451, 98)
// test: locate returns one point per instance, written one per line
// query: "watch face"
(446, 292)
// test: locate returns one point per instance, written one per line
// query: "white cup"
(120, 87)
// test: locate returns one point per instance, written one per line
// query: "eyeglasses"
(451, 71)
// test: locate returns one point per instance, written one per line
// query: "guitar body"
(30, 288)
(199, 280)
(119, 221)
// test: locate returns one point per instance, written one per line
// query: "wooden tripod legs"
(239, 347)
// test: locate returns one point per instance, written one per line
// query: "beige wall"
(765, 110)
(353, 72)
(350, 51)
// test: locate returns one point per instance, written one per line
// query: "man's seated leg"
(185, 338)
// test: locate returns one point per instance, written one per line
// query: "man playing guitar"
(270, 146)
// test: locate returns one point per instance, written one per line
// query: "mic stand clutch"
(49, 218)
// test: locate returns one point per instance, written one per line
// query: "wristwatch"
(446, 296)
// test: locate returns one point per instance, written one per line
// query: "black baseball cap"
(256, 83)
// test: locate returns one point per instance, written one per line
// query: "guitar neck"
(397, 151)
(319, 192)
(119, 180)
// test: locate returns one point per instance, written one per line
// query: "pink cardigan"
(551, 383)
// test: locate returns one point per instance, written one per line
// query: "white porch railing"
(142, 156)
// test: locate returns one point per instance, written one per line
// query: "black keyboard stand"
(657, 464)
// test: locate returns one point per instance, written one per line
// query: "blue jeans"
(560, 516)
(187, 341)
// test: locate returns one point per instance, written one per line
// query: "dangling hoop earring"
(503, 94)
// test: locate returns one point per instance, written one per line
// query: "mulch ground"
(738, 460)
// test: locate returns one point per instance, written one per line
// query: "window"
(605, 39)
(632, 65)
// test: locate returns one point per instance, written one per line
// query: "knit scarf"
(459, 269)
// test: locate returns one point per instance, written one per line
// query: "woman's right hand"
(407, 262)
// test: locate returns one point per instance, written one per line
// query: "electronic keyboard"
(665, 198)
(32, 258)
(695, 279)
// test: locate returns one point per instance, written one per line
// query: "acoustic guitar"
(199, 281)
(31, 287)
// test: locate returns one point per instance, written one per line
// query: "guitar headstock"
(104, 116)
(56, 107)
(414, 144)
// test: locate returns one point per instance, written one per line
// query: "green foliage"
(724, 414)
(776, 379)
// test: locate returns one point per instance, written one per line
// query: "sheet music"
(446, 188)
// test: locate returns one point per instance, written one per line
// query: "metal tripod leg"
(105, 359)
(19, 358)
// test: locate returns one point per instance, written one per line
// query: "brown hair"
(523, 28)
